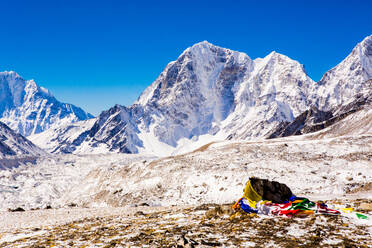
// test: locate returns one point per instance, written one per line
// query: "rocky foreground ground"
(208, 225)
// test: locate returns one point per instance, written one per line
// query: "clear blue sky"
(95, 54)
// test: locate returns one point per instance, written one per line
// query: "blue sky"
(95, 54)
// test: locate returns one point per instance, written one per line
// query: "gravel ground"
(208, 225)
(13, 221)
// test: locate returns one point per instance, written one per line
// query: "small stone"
(138, 213)
(143, 204)
(349, 178)
(19, 209)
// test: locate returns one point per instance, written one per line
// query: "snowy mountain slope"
(64, 138)
(211, 93)
(14, 145)
(29, 109)
(277, 91)
(352, 76)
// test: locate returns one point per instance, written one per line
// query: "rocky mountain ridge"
(14, 145)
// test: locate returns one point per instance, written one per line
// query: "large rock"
(271, 190)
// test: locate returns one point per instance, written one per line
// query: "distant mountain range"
(209, 93)
(29, 109)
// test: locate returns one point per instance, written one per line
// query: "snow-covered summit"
(29, 108)
(277, 90)
(193, 92)
(199, 66)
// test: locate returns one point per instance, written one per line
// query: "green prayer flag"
(361, 216)
(305, 204)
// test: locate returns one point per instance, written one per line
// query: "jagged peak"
(206, 50)
(366, 46)
(202, 47)
(23, 98)
(10, 74)
(117, 108)
(30, 84)
(361, 54)
(363, 48)
(275, 55)
(367, 41)
(203, 44)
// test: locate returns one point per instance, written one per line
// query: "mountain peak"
(367, 39)
(366, 46)
(203, 44)
(203, 47)
(275, 58)
(275, 55)
(347, 79)
(12, 74)
(29, 108)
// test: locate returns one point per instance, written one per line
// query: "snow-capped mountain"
(30, 109)
(212, 93)
(343, 90)
(277, 91)
(352, 76)
(14, 145)
(195, 93)
(112, 131)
